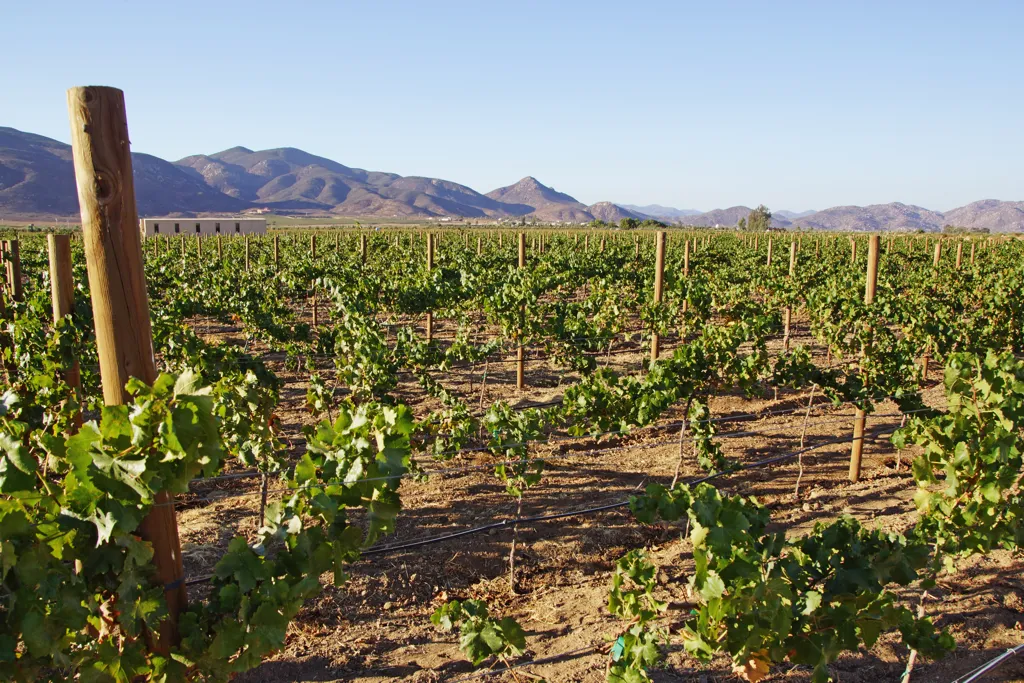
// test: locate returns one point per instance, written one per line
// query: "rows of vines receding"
(79, 600)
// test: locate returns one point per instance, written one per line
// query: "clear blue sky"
(697, 105)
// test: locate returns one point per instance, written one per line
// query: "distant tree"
(652, 223)
(629, 224)
(742, 225)
(760, 219)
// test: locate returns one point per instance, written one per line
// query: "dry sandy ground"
(376, 628)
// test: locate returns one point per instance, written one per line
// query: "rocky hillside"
(37, 181)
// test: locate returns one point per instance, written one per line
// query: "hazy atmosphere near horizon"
(797, 105)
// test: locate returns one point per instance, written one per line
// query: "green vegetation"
(79, 597)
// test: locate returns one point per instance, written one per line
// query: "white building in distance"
(181, 227)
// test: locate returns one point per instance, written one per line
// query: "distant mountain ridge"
(37, 180)
(660, 212)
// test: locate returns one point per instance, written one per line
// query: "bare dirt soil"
(376, 628)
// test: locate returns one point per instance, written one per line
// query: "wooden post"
(14, 270)
(479, 245)
(972, 252)
(659, 273)
(277, 254)
(312, 246)
(853, 251)
(362, 248)
(768, 261)
(937, 258)
(520, 360)
(686, 258)
(430, 266)
(124, 336)
(62, 296)
(959, 253)
(788, 316)
(184, 259)
(860, 418)
(246, 240)
(586, 242)
(636, 241)
(220, 249)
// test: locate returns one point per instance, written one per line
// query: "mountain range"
(37, 181)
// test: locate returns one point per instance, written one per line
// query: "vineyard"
(499, 455)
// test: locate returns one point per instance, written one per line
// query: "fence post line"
(860, 417)
(14, 270)
(430, 267)
(120, 304)
(686, 271)
(936, 260)
(62, 297)
(788, 316)
(520, 360)
(312, 301)
(659, 274)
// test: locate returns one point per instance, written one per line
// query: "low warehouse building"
(152, 227)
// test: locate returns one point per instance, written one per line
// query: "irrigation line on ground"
(510, 523)
(990, 665)
(540, 660)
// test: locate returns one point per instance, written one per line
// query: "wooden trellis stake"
(62, 297)
(520, 359)
(430, 267)
(124, 336)
(860, 418)
(659, 274)
(788, 317)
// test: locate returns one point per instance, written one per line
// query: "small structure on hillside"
(224, 225)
